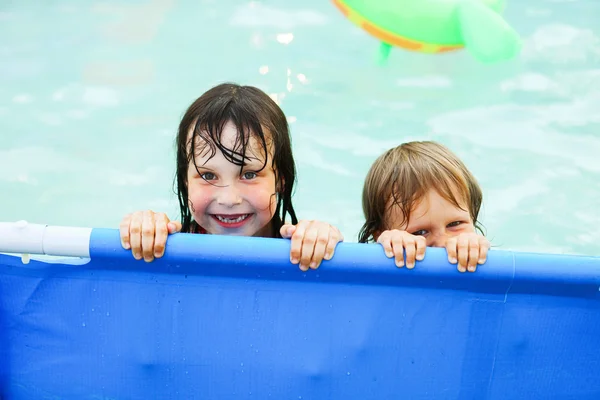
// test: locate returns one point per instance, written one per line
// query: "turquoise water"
(91, 94)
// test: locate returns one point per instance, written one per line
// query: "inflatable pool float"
(436, 26)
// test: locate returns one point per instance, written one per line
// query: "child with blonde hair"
(420, 195)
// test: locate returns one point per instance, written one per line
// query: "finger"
(334, 238)
(148, 230)
(398, 249)
(484, 246)
(124, 231)
(462, 247)
(410, 248)
(135, 234)
(386, 243)
(161, 233)
(174, 227)
(451, 249)
(296, 242)
(287, 230)
(320, 247)
(421, 247)
(473, 255)
(308, 246)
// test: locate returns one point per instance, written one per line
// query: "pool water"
(91, 93)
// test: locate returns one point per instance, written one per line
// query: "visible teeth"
(231, 220)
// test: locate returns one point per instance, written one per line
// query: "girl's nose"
(229, 196)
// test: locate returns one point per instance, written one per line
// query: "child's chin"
(234, 232)
(241, 232)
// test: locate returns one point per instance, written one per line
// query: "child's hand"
(468, 250)
(312, 242)
(396, 242)
(145, 233)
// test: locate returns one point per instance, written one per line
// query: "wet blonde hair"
(403, 175)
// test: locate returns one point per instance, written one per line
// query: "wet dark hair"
(254, 114)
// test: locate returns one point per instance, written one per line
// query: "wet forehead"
(429, 209)
(433, 207)
(229, 139)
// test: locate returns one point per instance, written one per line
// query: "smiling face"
(226, 198)
(235, 131)
(433, 217)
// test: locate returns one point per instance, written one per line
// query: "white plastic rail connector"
(25, 238)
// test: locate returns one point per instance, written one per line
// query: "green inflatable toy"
(436, 26)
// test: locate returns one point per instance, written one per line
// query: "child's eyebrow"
(252, 156)
(228, 153)
(204, 167)
(248, 155)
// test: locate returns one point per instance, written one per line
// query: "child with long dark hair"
(235, 175)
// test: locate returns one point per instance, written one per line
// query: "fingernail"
(420, 257)
(462, 269)
(328, 256)
(400, 263)
(471, 269)
(453, 260)
(313, 265)
(389, 254)
(294, 260)
(304, 268)
(157, 255)
(480, 262)
(137, 256)
(410, 265)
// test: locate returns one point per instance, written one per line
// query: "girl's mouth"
(231, 220)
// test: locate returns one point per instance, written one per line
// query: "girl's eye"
(453, 224)
(208, 176)
(249, 175)
(421, 232)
